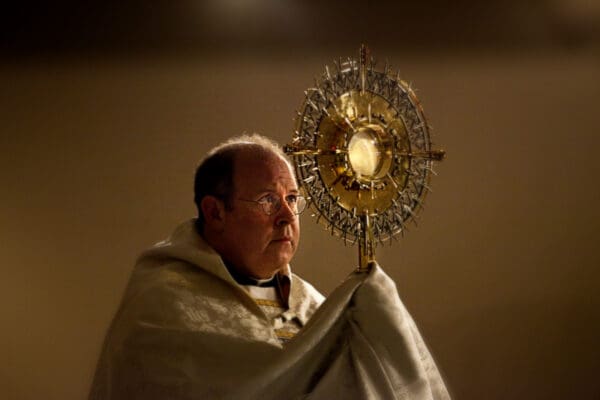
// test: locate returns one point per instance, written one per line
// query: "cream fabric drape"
(361, 344)
(186, 330)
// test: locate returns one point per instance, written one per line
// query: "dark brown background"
(105, 110)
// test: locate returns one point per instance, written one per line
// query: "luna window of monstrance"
(362, 153)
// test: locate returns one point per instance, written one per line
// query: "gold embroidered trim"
(268, 303)
(282, 333)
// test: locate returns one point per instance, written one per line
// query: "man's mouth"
(283, 239)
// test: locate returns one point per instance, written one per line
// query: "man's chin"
(282, 260)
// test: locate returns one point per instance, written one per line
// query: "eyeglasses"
(271, 203)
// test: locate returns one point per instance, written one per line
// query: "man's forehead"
(264, 168)
(260, 157)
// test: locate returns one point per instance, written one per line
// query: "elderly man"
(224, 277)
(215, 311)
(248, 205)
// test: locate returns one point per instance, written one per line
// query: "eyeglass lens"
(297, 205)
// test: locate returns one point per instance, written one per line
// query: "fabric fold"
(360, 344)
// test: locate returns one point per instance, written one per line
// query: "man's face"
(255, 243)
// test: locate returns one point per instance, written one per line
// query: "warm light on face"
(364, 154)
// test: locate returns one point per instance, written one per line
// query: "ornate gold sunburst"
(362, 153)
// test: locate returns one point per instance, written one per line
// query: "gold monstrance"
(362, 153)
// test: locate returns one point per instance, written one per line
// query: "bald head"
(215, 174)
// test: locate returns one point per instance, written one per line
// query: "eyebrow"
(272, 190)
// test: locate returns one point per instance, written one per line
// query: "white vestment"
(187, 330)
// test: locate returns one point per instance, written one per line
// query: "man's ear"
(213, 210)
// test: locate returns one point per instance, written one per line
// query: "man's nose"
(286, 214)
